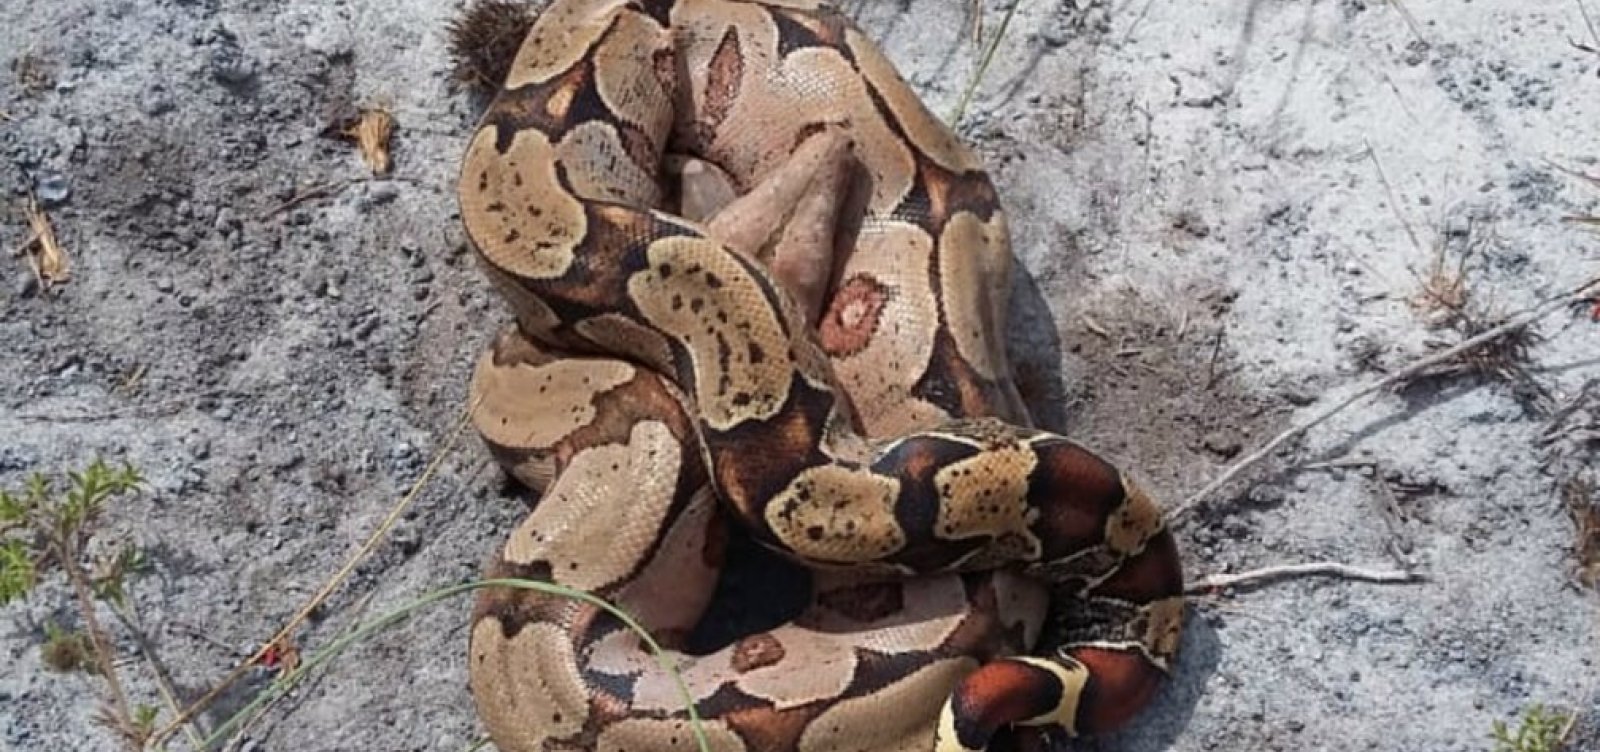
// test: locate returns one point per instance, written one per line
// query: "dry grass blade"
(45, 255)
(1410, 20)
(1444, 292)
(1589, 220)
(1582, 500)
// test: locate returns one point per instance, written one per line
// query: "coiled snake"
(820, 359)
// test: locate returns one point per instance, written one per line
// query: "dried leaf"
(45, 256)
(372, 133)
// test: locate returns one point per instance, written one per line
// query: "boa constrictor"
(821, 359)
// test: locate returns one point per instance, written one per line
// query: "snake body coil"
(666, 373)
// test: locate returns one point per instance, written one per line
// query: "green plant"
(1541, 730)
(42, 530)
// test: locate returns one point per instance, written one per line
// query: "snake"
(758, 288)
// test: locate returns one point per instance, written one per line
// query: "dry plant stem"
(1310, 569)
(1517, 322)
(103, 657)
(332, 584)
(169, 695)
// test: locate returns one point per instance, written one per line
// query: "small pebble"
(52, 188)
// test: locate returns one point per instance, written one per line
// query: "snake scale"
(815, 353)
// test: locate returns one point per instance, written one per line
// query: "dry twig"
(1514, 324)
(316, 191)
(1310, 569)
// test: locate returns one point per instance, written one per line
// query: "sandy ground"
(1225, 212)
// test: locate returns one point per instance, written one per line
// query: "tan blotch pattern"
(536, 406)
(974, 310)
(708, 301)
(930, 135)
(525, 688)
(1073, 680)
(563, 35)
(987, 495)
(665, 735)
(530, 238)
(834, 514)
(1165, 629)
(881, 374)
(897, 718)
(1134, 523)
(579, 527)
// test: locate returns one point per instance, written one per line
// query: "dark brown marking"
(1076, 492)
(866, 602)
(1154, 573)
(756, 651)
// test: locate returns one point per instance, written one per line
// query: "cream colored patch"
(534, 407)
(987, 495)
(926, 131)
(699, 294)
(560, 38)
(896, 718)
(604, 511)
(1134, 523)
(975, 267)
(834, 514)
(816, 667)
(665, 735)
(515, 210)
(946, 740)
(1073, 680)
(624, 76)
(599, 167)
(527, 688)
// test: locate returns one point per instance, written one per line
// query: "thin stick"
(1394, 203)
(327, 589)
(169, 694)
(1549, 306)
(103, 651)
(1310, 569)
(316, 191)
